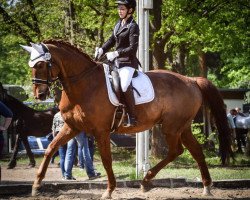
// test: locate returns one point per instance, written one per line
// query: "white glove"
(112, 55)
(98, 53)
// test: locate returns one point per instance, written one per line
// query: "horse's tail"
(213, 98)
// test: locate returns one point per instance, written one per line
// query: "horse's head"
(57, 59)
(40, 62)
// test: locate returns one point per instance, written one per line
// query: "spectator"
(238, 110)
(67, 151)
(91, 142)
(7, 114)
(230, 118)
(240, 132)
(83, 144)
(50, 138)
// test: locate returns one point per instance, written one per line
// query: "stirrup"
(131, 122)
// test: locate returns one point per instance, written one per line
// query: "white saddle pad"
(142, 83)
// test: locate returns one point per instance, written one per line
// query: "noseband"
(49, 78)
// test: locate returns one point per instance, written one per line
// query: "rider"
(125, 38)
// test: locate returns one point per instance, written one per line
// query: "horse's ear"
(37, 47)
(27, 48)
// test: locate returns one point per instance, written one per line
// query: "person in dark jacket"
(125, 38)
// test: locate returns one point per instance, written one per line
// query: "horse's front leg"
(62, 138)
(12, 163)
(103, 142)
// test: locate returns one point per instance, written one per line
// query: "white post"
(140, 136)
(142, 139)
(146, 165)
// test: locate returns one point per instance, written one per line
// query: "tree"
(183, 31)
(21, 24)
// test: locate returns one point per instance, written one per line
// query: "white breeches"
(126, 75)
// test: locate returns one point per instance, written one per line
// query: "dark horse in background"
(85, 106)
(27, 122)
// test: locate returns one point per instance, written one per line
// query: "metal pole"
(142, 139)
(140, 136)
(146, 164)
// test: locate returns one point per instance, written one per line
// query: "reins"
(83, 74)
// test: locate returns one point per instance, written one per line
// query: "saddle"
(115, 82)
(142, 87)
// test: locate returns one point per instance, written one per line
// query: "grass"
(124, 166)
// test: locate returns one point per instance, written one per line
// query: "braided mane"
(64, 43)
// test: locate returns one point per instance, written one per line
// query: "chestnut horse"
(85, 106)
(26, 122)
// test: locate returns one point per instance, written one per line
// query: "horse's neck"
(18, 107)
(87, 74)
(70, 62)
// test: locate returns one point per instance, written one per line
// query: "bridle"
(50, 79)
(48, 58)
(43, 81)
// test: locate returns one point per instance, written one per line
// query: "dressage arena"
(16, 184)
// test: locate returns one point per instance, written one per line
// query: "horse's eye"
(39, 65)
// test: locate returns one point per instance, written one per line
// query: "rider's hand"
(98, 53)
(112, 55)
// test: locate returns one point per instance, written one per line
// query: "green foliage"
(13, 63)
(216, 26)
(41, 106)
(196, 130)
(208, 26)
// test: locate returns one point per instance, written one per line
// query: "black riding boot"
(130, 104)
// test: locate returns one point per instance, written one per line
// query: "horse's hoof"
(146, 186)
(36, 191)
(207, 191)
(11, 165)
(31, 165)
(106, 195)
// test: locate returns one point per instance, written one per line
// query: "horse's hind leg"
(190, 142)
(29, 152)
(62, 138)
(174, 150)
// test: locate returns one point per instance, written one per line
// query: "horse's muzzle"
(42, 95)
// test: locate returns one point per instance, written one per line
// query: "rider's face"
(122, 11)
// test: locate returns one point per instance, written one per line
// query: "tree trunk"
(35, 19)
(203, 73)
(202, 64)
(158, 47)
(71, 22)
(179, 65)
(103, 22)
(158, 143)
(159, 58)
